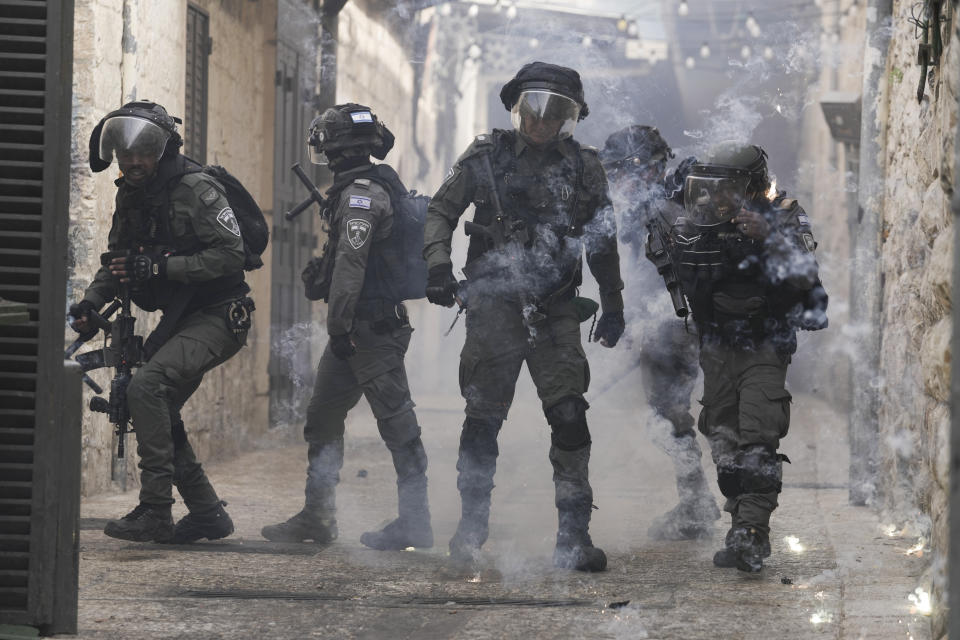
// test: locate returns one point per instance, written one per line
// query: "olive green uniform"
(748, 299)
(520, 305)
(192, 218)
(362, 305)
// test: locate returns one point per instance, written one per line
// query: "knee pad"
(479, 436)
(760, 469)
(728, 479)
(568, 421)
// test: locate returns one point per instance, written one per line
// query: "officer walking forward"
(649, 202)
(359, 278)
(185, 257)
(541, 199)
(745, 256)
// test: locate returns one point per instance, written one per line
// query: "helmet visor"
(123, 137)
(544, 116)
(315, 146)
(713, 200)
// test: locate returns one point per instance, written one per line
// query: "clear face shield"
(315, 147)
(543, 116)
(715, 199)
(130, 140)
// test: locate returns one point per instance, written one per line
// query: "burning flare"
(921, 602)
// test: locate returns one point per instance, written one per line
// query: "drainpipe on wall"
(327, 83)
(953, 551)
(865, 299)
(128, 61)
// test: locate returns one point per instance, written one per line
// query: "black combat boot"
(574, 500)
(146, 523)
(308, 524)
(212, 524)
(317, 520)
(744, 548)
(412, 527)
(476, 467)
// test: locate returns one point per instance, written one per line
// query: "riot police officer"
(369, 334)
(184, 255)
(541, 199)
(745, 256)
(635, 159)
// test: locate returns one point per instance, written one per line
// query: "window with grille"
(195, 116)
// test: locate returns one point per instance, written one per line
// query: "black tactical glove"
(140, 267)
(610, 327)
(342, 346)
(441, 285)
(79, 317)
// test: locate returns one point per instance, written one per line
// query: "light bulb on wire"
(683, 9)
(704, 50)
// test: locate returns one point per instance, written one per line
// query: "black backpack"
(253, 226)
(409, 218)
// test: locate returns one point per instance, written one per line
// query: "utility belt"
(383, 316)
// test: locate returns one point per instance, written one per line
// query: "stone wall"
(912, 383)
(135, 49)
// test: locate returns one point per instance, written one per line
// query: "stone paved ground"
(850, 581)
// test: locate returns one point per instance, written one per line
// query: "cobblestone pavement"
(851, 579)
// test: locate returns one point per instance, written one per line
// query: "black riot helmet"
(141, 127)
(347, 131)
(545, 102)
(637, 148)
(717, 187)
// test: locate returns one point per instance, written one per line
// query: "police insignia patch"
(359, 202)
(803, 219)
(809, 242)
(357, 232)
(228, 221)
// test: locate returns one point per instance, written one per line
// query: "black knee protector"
(760, 469)
(568, 420)
(479, 436)
(728, 479)
(179, 434)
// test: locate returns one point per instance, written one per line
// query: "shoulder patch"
(808, 242)
(209, 196)
(803, 219)
(359, 202)
(362, 182)
(228, 221)
(358, 230)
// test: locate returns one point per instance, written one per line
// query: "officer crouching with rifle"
(745, 257)
(175, 246)
(650, 201)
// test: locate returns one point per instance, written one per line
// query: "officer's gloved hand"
(140, 267)
(342, 346)
(441, 285)
(610, 327)
(79, 317)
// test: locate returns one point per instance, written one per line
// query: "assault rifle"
(658, 252)
(315, 195)
(124, 352)
(501, 232)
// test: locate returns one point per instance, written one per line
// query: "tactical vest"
(731, 297)
(558, 195)
(143, 216)
(386, 262)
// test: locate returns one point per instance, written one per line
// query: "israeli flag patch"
(359, 202)
(361, 116)
(803, 219)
